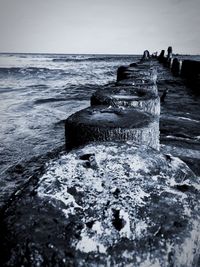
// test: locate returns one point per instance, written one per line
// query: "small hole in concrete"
(116, 193)
(90, 224)
(168, 158)
(183, 188)
(117, 222)
(87, 164)
(86, 156)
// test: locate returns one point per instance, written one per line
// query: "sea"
(38, 92)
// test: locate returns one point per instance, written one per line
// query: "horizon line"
(109, 54)
(55, 53)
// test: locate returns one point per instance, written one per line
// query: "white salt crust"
(122, 178)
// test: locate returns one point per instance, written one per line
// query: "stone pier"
(111, 199)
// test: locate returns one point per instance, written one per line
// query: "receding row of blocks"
(143, 201)
(185, 68)
(120, 112)
(122, 204)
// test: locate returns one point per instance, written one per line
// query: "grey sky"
(99, 26)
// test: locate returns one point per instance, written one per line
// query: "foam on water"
(41, 90)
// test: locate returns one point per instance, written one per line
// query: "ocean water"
(38, 92)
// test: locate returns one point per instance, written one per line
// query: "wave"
(30, 70)
(93, 59)
(82, 87)
(14, 89)
(48, 100)
(59, 123)
(8, 90)
(70, 93)
(76, 96)
(39, 86)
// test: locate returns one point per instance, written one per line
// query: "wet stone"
(134, 73)
(104, 123)
(136, 81)
(142, 98)
(176, 67)
(137, 208)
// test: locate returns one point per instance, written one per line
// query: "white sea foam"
(188, 119)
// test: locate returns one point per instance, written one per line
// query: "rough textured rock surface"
(120, 72)
(140, 72)
(134, 73)
(143, 86)
(143, 99)
(142, 65)
(127, 84)
(103, 123)
(107, 204)
(136, 82)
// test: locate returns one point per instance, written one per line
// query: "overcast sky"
(99, 26)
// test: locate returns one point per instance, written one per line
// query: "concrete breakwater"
(120, 113)
(180, 117)
(114, 200)
(185, 68)
(104, 123)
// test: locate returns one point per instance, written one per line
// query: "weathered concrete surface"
(148, 63)
(137, 66)
(120, 72)
(107, 204)
(144, 99)
(103, 123)
(143, 86)
(137, 81)
(134, 73)
(140, 84)
(137, 73)
(35, 231)
(142, 65)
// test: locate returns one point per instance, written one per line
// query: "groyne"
(179, 121)
(120, 112)
(187, 69)
(114, 199)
